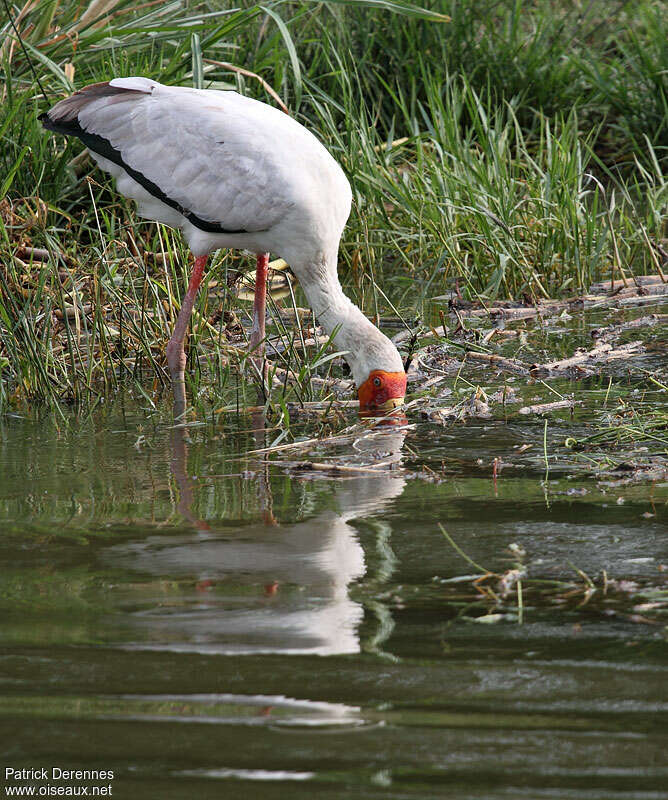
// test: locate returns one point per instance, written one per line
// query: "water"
(204, 625)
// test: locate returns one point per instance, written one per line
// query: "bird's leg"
(259, 313)
(176, 357)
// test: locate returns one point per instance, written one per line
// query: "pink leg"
(257, 336)
(176, 357)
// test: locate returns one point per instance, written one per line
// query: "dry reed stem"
(543, 408)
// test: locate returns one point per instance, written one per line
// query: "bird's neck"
(339, 317)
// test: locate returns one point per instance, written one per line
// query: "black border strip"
(104, 148)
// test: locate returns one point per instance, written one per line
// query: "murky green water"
(205, 625)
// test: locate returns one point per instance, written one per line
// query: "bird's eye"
(376, 381)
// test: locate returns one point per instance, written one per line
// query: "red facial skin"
(382, 391)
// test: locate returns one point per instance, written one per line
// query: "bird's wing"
(222, 158)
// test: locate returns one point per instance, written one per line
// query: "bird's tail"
(64, 116)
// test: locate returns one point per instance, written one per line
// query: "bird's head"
(374, 361)
(377, 368)
(382, 391)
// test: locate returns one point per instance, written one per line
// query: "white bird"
(230, 171)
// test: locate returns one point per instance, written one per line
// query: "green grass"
(520, 149)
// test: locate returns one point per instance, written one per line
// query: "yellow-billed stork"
(230, 171)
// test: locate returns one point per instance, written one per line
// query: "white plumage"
(227, 158)
(230, 171)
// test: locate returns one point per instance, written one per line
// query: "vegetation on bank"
(511, 149)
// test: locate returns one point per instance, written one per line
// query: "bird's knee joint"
(176, 358)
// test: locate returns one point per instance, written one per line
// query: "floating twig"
(543, 408)
(600, 354)
(317, 466)
(611, 332)
(642, 280)
(500, 362)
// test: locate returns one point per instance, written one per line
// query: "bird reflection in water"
(267, 587)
